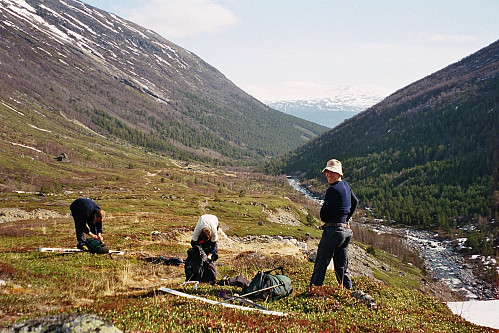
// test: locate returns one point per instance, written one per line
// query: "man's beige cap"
(334, 166)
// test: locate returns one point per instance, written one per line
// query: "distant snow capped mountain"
(346, 101)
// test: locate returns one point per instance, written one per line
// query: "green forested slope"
(427, 155)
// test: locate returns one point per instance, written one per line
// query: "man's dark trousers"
(333, 245)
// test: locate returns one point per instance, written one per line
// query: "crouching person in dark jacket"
(88, 218)
(200, 263)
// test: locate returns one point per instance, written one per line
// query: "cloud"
(177, 19)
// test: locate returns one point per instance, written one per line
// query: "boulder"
(366, 298)
(63, 323)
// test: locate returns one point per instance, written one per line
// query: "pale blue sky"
(266, 46)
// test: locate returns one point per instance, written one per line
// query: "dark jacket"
(339, 204)
(83, 211)
(208, 247)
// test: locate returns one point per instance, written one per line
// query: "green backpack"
(274, 286)
(93, 245)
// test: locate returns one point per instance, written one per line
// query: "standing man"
(88, 220)
(339, 205)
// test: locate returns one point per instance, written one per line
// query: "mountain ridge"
(125, 81)
(326, 105)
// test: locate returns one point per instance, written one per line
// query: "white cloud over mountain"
(175, 19)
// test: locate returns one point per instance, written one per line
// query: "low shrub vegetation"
(151, 211)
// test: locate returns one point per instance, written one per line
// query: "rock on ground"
(63, 323)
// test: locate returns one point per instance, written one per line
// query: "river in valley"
(440, 259)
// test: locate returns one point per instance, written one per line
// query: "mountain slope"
(427, 154)
(71, 61)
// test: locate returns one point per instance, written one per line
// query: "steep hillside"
(427, 155)
(72, 62)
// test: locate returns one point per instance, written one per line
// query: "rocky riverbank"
(442, 262)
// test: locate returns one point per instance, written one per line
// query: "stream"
(440, 259)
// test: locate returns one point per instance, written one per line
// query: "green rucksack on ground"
(279, 285)
(93, 245)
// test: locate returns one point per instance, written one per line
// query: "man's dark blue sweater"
(339, 204)
(83, 211)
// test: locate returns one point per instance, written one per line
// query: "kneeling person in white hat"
(200, 263)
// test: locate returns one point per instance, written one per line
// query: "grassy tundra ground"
(152, 210)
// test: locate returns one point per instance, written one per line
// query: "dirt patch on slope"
(282, 216)
(232, 246)
(15, 214)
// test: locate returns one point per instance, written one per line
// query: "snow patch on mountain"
(301, 91)
(325, 105)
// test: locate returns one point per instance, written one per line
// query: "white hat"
(334, 166)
